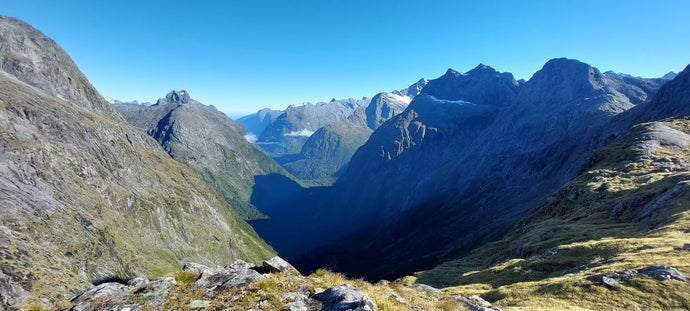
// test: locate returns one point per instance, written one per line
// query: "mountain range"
(568, 190)
(479, 144)
(329, 133)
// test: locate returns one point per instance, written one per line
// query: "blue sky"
(241, 56)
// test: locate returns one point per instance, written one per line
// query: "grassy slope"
(578, 219)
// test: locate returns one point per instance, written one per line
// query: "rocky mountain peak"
(565, 82)
(452, 72)
(481, 85)
(481, 67)
(413, 90)
(670, 75)
(174, 96)
(383, 107)
(560, 69)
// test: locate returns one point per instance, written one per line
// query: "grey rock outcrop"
(658, 272)
(662, 273)
(300, 302)
(604, 280)
(277, 264)
(345, 297)
(138, 281)
(105, 291)
(219, 279)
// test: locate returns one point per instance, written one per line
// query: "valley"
(470, 191)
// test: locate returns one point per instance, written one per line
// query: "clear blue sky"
(244, 55)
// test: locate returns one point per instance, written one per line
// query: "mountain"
(85, 196)
(207, 141)
(480, 145)
(327, 152)
(257, 123)
(414, 89)
(670, 75)
(288, 132)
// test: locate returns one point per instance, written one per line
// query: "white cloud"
(251, 138)
(302, 133)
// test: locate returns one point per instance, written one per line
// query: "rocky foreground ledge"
(276, 285)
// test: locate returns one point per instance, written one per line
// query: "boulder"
(211, 278)
(138, 281)
(224, 278)
(300, 302)
(277, 264)
(345, 297)
(162, 283)
(603, 279)
(106, 291)
(239, 264)
(662, 273)
(241, 278)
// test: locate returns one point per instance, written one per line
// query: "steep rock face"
(38, 61)
(87, 197)
(327, 152)
(450, 112)
(288, 133)
(383, 107)
(479, 145)
(206, 140)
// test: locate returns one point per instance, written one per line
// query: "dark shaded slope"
(466, 160)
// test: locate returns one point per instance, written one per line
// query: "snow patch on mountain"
(445, 101)
(399, 98)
